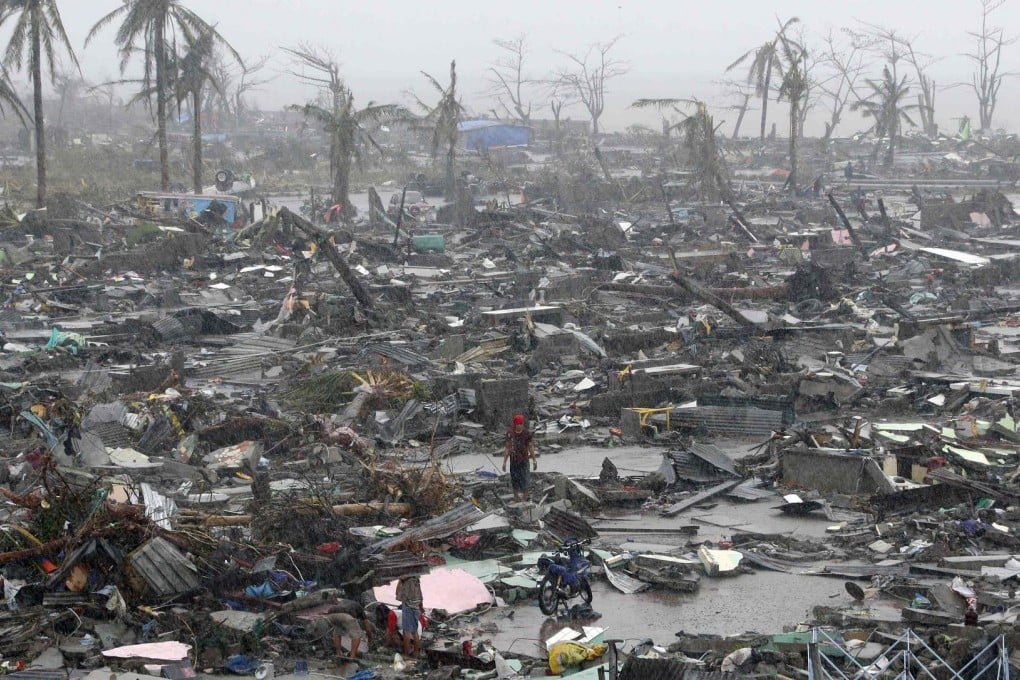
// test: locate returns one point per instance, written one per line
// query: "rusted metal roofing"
(438, 527)
(566, 525)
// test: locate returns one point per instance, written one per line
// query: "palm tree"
(37, 28)
(887, 106)
(443, 120)
(793, 88)
(697, 134)
(763, 64)
(153, 24)
(193, 73)
(344, 124)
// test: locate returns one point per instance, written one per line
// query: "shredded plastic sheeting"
(159, 651)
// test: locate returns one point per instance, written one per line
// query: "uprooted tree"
(586, 75)
(987, 58)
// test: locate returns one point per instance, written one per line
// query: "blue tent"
(484, 134)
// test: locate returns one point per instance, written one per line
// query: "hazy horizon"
(671, 49)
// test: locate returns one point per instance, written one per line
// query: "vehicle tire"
(548, 598)
(584, 590)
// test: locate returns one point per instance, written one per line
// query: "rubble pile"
(787, 414)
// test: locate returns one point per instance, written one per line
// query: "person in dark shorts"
(519, 449)
(411, 603)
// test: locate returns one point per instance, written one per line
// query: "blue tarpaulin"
(484, 134)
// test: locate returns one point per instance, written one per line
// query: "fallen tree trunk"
(321, 239)
(48, 547)
(699, 293)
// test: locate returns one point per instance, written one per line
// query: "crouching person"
(337, 626)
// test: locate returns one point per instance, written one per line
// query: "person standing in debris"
(337, 626)
(409, 595)
(848, 171)
(519, 449)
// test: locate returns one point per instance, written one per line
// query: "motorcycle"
(566, 577)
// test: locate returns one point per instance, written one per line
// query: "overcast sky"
(672, 49)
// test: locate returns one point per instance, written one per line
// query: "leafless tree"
(237, 80)
(741, 92)
(844, 64)
(586, 77)
(556, 107)
(69, 87)
(106, 93)
(987, 57)
(926, 87)
(508, 81)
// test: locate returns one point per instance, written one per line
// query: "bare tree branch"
(508, 81)
(987, 57)
(586, 76)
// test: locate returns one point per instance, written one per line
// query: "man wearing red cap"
(519, 449)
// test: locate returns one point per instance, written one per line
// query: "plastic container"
(435, 243)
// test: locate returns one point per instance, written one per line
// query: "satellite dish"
(224, 180)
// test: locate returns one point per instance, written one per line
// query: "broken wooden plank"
(701, 497)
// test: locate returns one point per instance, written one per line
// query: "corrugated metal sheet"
(114, 435)
(9, 318)
(701, 463)
(398, 353)
(624, 583)
(243, 357)
(163, 568)
(726, 420)
(170, 329)
(227, 367)
(750, 491)
(438, 527)
(250, 343)
(389, 566)
(637, 668)
(38, 674)
(567, 525)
